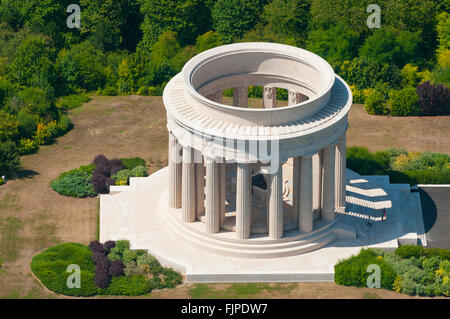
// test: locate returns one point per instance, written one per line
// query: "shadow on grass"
(21, 173)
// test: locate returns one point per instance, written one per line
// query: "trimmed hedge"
(75, 183)
(50, 267)
(353, 271)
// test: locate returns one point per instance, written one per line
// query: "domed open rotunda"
(255, 182)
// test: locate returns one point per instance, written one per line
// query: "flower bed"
(106, 269)
(90, 180)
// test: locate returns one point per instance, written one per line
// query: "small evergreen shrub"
(374, 103)
(134, 285)
(353, 271)
(404, 102)
(408, 251)
(75, 183)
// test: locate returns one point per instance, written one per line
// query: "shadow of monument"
(429, 210)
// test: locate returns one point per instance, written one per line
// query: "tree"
(42, 16)
(207, 41)
(351, 13)
(112, 24)
(288, 19)
(165, 48)
(367, 73)
(231, 18)
(187, 19)
(9, 156)
(83, 66)
(443, 31)
(387, 45)
(434, 99)
(9, 127)
(33, 63)
(334, 44)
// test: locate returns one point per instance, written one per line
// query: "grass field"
(33, 217)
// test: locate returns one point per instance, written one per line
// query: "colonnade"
(199, 188)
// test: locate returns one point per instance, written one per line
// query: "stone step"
(269, 250)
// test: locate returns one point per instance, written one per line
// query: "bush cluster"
(90, 180)
(412, 270)
(401, 166)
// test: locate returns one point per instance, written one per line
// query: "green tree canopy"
(388, 45)
(187, 19)
(231, 18)
(336, 43)
(83, 66)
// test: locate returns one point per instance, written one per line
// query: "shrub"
(101, 182)
(408, 251)
(9, 156)
(130, 163)
(116, 268)
(50, 267)
(433, 99)
(374, 103)
(72, 101)
(114, 166)
(96, 246)
(75, 183)
(122, 245)
(108, 245)
(404, 102)
(438, 252)
(408, 287)
(102, 278)
(134, 285)
(122, 177)
(2, 181)
(353, 271)
(129, 256)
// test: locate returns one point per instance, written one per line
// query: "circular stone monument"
(257, 178)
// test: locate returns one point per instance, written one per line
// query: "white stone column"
(243, 194)
(275, 195)
(175, 172)
(218, 96)
(240, 96)
(292, 98)
(328, 193)
(341, 158)
(269, 97)
(296, 187)
(317, 183)
(188, 188)
(200, 189)
(222, 190)
(212, 197)
(305, 221)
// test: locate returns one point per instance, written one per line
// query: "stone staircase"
(224, 243)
